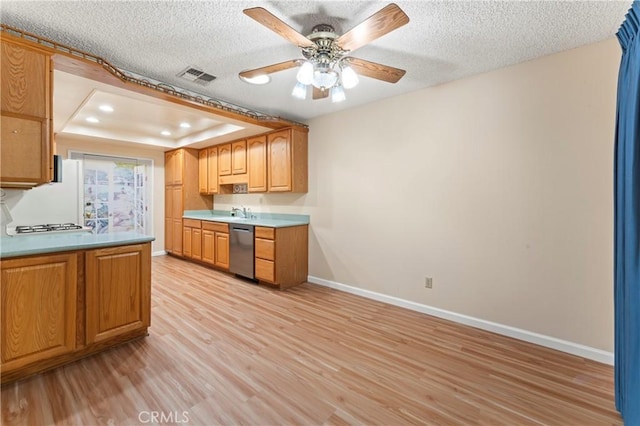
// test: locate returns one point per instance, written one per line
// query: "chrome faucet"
(237, 210)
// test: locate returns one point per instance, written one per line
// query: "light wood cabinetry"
(57, 308)
(239, 157)
(287, 161)
(182, 192)
(272, 162)
(26, 129)
(215, 244)
(208, 170)
(118, 291)
(192, 239)
(38, 309)
(232, 165)
(257, 164)
(281, 255)
(224, 159)
(222, 250)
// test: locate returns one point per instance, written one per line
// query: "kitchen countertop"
(270, 220)
(51, 243)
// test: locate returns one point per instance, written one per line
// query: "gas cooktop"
(49, 228)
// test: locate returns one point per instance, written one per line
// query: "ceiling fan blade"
(380, 23)
(269, 69)
(320, 94)
(274, 23)
(377, 71)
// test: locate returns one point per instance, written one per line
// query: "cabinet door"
(222, 250)
(118, 291)
(38, 308)
(196, 243)
(177, 236)
(178, 167)
(279, 161)
(168, 219)
(203, 172)
(169, 167)
(25, 76)
(257, 164)
(212, 170)
(176, 203)
(224, 160)
(239, 157)
(208, 246)
(24, 140)
(186, 242)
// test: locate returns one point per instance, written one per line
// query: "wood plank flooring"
(222, 351)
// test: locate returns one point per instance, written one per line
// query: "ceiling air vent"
(197, 76)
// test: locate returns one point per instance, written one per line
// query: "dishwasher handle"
(242, 229)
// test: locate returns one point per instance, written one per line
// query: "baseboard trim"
(505, 330)
(158, 253)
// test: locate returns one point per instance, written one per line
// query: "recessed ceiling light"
(165, 133)
(258, 79)
(185, 125)
(92, 120)
(106, 108)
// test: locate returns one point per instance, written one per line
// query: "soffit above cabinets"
(134, 118)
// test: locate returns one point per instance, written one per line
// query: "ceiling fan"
(327, 66)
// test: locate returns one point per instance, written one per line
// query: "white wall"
(498, 186)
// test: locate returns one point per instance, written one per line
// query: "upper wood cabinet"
(212, 170)
(38, 309)
(257, 164)
(239, 157)
(173, 167)
(26, 153)
(271, 162)
(203, 175)
(224, 159)
(208, 170)
(287, 161)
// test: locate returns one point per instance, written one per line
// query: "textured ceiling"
(444, 40)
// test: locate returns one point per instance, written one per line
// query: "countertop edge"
(44, 249)
(268, 223)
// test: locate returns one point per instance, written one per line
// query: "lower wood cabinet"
(118, 291)
(57, 308)
(38, 309)
(281, 255)
(192, 239)
(215, 244)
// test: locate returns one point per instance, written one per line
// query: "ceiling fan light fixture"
(299, 91)
(324, 79)
(337, 94)
(349, 77)
(305, 73)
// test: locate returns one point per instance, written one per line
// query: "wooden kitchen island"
(67, 296)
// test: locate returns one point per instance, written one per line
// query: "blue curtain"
(627, 221)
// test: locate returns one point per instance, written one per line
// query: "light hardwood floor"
(224, 351)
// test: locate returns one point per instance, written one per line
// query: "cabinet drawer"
(191, 223)
(215, 226)
(265, 270)
(265, 249)
(267, 233)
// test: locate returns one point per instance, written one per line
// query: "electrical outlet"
(428, 282)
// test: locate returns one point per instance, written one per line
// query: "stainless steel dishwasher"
(241, 256)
